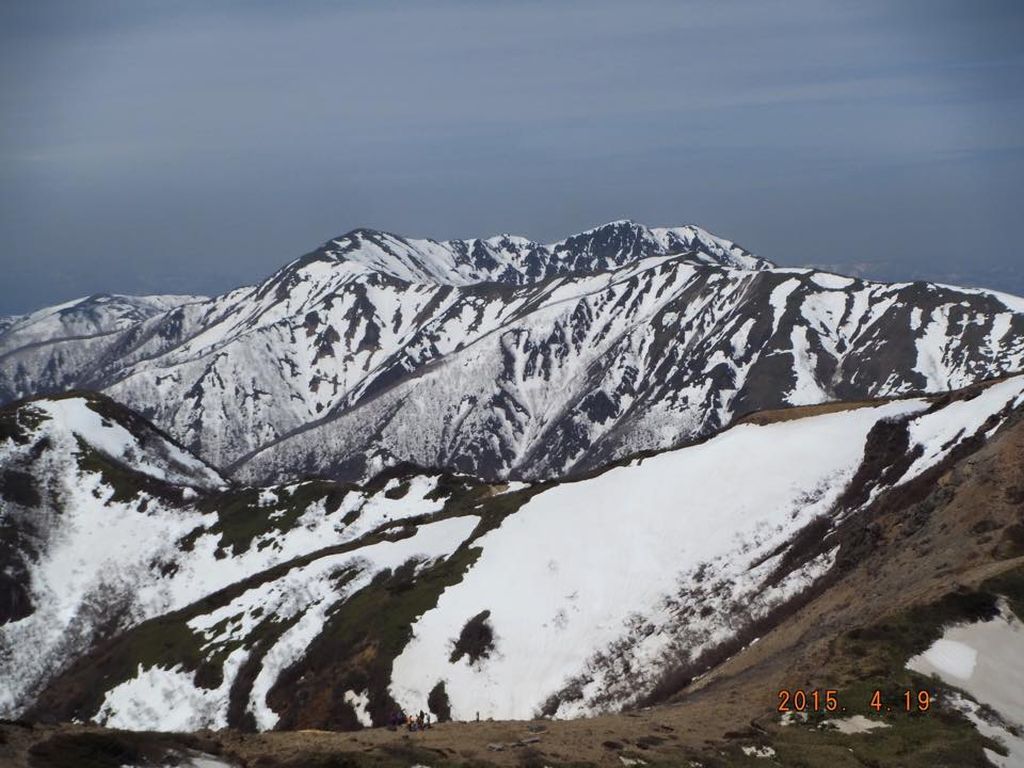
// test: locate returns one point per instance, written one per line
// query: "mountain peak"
(518, 260)
(617, 224)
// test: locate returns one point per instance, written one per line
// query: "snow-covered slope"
(87, 316)
(174, 603)
(503, 357)
(650, 357)
(106, 523)
(45, 351)
(650, 565)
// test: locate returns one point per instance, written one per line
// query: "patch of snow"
(96, 551)
(831, 281)
(931, 350)
(99, 550)
(1011, 302)
(511, 487)
(310, 592)
(791, 718)
(186, 759)
(947, 658)
(938, 433)
(75, 415)
(806, 390)
(984, 660)
(359, 703)
(993, 729)
(159, 699)
(855, 724)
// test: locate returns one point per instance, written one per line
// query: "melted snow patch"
(169, 700)
(992, 729)
(832, 281)
(984, 660)
(759, 752)
(855, 724)
(948, 658)
(359, 703)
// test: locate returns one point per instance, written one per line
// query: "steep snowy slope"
(320, 605)
(502, 357)
(650, 565)
(650, 357)
(88, 316)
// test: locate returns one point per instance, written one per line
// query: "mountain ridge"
(559, 358)
(517, 260)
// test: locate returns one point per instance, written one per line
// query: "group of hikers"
(420, 722)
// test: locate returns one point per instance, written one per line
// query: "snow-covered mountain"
(506, 358)
(45, 350)
(140, 590)
(85, 317)
(515, 260)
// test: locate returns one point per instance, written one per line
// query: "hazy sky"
(193, 146)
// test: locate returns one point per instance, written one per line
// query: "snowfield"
(495, 477)
(983, 659)
(609, 553)
(621, 567)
